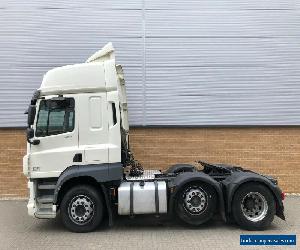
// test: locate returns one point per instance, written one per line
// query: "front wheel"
(196, 203)
(253, 206)
(82, 209)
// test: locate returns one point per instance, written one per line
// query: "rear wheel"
(82, 209)
(196, 203)
(253, 206)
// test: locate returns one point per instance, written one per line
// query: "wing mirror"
(30, 135)
(31, 115)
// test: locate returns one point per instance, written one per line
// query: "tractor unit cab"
(77, 115)
(78, 160)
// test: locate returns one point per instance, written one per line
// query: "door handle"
(68, 136)
(77, 157)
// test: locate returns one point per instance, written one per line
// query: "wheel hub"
(195, 200)
(81, 209)
(254, 206)
(249, 204)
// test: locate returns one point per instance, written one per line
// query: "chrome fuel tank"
(142, 198)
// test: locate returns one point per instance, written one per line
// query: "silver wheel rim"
(81, 209)
(195, 200)
(254, 206)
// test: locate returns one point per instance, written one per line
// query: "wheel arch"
(232, 186)
(74, 181)
(190, 177)
(95, 175)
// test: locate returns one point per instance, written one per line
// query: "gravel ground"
(20, 231)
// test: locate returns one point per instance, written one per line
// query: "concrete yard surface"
(20, 231)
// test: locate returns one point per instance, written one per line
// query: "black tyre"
(82, 209)
(253, 206)
(196, 203)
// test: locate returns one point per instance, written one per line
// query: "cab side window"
(55, 117)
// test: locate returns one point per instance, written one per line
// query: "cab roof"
(97, 74)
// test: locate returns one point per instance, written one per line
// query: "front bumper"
(31, 205)
(25, 165)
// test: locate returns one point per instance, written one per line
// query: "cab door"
(57, 132)
(93, 128)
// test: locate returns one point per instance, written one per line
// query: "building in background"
(214, 80)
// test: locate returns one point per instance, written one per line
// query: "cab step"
(45, 205)
(44, 186)
(45, 213)
(45, 199)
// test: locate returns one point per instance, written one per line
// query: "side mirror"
(30, 135)
(31, 115)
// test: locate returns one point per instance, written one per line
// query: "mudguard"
(187, 177)
(101, 173)
(232, 183)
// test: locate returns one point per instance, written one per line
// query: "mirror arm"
(30, 135)
(36, 142)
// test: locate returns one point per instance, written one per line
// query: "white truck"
(79, 163)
